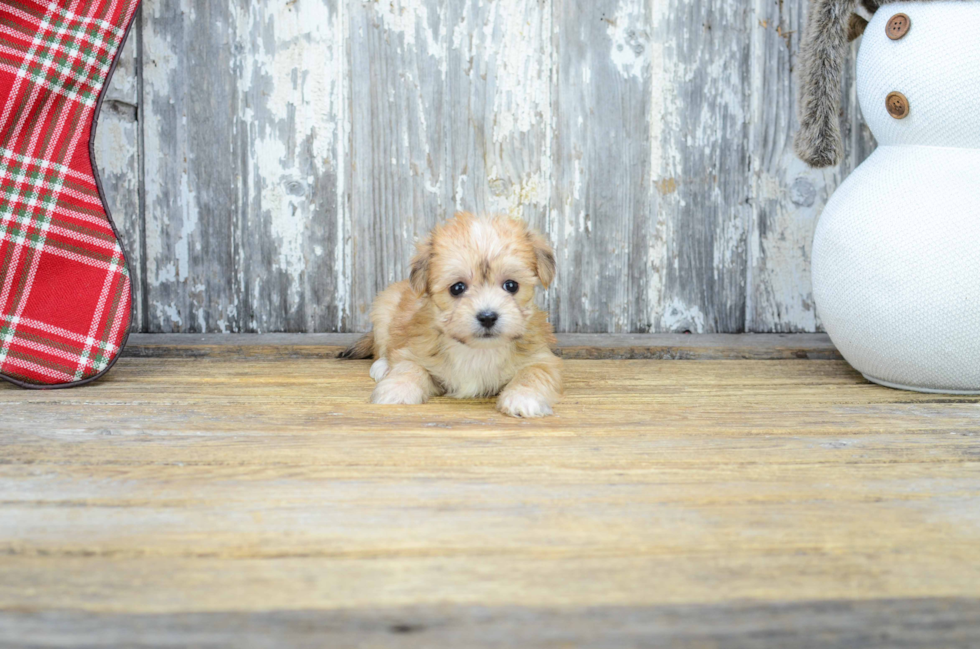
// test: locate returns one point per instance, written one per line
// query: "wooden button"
(898, 26)
(897, 105)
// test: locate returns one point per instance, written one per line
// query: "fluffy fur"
(428, 342)
(830, 25)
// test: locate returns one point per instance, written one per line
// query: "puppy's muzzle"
(487, 319)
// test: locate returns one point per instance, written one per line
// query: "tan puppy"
(465, 323)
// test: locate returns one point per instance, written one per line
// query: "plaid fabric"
(64, 286)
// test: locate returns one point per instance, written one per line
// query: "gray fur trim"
(821, 66)
(818, 142)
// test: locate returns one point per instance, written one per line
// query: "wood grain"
(199, 486)
(603, 178)
(245, 165)
(399, 186)
(445, 118)
(570, 346)
(870, 624)
(293, 108)
(787, 196)
(194, 184)
(705, 168)
(118, 157)
(295, 151)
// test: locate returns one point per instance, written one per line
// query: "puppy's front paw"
(379, 370)
(394, 392)
(523, 403)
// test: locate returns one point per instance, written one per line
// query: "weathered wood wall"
(271, 162)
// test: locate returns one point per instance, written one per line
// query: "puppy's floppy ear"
(418, 279)
(544, 257)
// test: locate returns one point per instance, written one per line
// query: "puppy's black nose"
(488, 319)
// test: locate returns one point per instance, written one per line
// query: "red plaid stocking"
(65, 294)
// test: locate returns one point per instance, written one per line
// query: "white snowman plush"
(896, 254)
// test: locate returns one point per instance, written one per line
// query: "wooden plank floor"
(249, 496)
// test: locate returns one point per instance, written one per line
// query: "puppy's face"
(480, 275)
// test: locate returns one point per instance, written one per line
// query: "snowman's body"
(896, 255)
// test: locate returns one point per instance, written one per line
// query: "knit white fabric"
(936, 65)
(896, 254)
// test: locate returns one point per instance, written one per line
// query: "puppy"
(465, 324)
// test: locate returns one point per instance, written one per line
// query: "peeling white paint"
(679, 317)
(657, 260)
(658, 87)
(169, 314)
(728, 249)
(780, 255)
(164, 273)
(115, 143)
(302, 99)
(629, 31)
(532, 190)
(188, 226)
(410, 18)
(481, 136)
(117, 159)
(788, 197)
(340, 99)
(460, 187)
(160, 62)
(506, 44)
(522, 97)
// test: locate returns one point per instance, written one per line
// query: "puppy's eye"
(511, 286)
(457, 289)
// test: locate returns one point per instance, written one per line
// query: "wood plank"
(117, 157)
(271, 485)
(399, 108)
(697, 347)
(652, 142)
(845, 624)
(237, 498)
(603, 187)
(451, 106)
(293, 94)
(246, 161)
(194, 145)
(295, 152)
(702, 171)
(788, 196)
(570, 346)
(499, 126)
